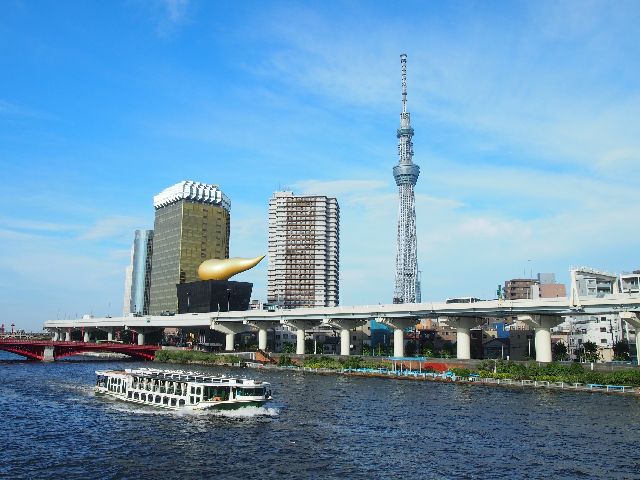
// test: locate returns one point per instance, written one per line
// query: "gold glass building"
(192, 224)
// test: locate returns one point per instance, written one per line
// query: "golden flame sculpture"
(226, 268)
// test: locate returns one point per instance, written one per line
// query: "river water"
(319, 426)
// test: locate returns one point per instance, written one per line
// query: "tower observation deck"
(406, 175)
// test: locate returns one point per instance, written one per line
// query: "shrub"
(284, 361)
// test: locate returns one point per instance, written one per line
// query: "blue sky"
(525, 113)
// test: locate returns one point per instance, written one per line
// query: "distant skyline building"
(406, 176)
(304, 251)
(128, 281)
(138, 276)
(192, 224)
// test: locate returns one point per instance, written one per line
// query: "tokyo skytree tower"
(406, 175)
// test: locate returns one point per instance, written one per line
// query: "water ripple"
(319, 426)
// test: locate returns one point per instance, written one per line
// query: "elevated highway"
(541, 314)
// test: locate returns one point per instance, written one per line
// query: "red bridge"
(47, 350)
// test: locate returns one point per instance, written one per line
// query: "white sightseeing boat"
(175, 389)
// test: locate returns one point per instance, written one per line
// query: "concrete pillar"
(55, 336)
(87, 337)
(542, 325)
(301, 327)
(463, 326)
(463, 342)
(262, 339)
(110, 335)
(141, 337)
(300, 341)
(228, 341)
(398, 342)
(543, 344)
(229, 329)
(345, 325)
(67, 336)
(399, 325)
(262, 327)
(633, 319)
(345, 342)
(48, 354)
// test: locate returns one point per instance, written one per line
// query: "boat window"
(199, 391)
(165, 400)
(143, 397)
(173, 402)
(216, 393)
(193, 390)
(181, 403)
(191, 400)
(130, 395)
(157, 398)
(250, 392)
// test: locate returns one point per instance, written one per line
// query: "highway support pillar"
(87, 337)
(262, 328)
(633, 319)
(542, 325)
(262, 338)
(463, 326)
(399, 325)
(345, 325)
(229, 329)
(67, 335)
(301, 327)
(56, 335)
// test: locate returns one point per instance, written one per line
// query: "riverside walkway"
(450, 377)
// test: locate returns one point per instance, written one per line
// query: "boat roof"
(181, 375)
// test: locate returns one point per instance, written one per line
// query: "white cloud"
(117, 226)
(176, 10)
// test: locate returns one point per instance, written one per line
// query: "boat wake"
(246, 412)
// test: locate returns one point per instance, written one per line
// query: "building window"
(604, 340)
(603, 329)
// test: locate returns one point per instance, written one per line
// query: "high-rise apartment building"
(138, 275)
(304, 251)
(192, 224)
(518, 288)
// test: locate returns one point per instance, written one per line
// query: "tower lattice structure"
(406, 176)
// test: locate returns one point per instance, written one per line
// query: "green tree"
(366, 350)
(590, 352)
(621, 350)
(410, 349)
(560, 351)
(308, 346)
(288, 348)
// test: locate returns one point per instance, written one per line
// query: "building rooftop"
(194, 191)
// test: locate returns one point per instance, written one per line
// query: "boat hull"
(228, 405)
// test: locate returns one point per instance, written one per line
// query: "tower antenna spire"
(406, 175)
(403, 63)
